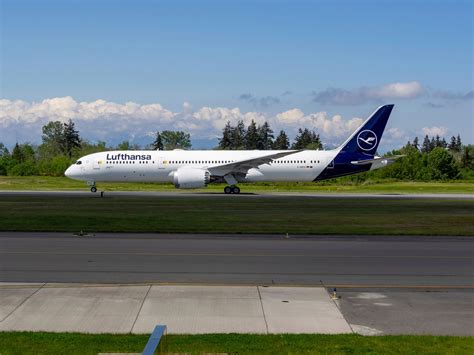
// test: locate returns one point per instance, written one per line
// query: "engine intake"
(191, 178)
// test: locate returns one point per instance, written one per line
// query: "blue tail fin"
(367, 138)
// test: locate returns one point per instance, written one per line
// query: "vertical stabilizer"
(366, 139)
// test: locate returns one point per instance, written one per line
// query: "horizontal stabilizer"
(390, 159)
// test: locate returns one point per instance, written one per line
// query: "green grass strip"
(74, 343)
(39, 183)
(237, 214)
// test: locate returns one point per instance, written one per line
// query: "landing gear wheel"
(227, 190)
(235, 190)
(93, 189)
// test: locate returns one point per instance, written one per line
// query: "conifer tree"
(426, 146)
(226, 141)
(158, 142)
(252, 136)
(281, 142)
(458, 143)
(72, 140)
(238, 136)
(265, 137)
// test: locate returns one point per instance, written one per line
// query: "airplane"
(195, 169)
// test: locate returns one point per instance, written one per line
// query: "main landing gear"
(231, 190)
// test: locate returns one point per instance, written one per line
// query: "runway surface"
(187, 194)
(355, 261)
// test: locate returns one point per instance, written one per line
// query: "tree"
(4, 159)
(176, 140)
(442, 165)
(53, 138)
(238, 136)
(226, 141)
(307, 139)
(158, 142)
(265, 137)
(458, 143)
(3, 150)
(125, 145)
(467, 157)
(72, 141)
(17, 154)
(453, 144)
(426, 147)
(23, 161)
(416, 144)
(252, 136)
(281, 142)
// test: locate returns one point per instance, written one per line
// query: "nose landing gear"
(92, 185)
(231, 190)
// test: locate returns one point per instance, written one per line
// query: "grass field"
(237, 214)
(73, 343)
(62, 183)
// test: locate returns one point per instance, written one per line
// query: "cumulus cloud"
(435, 131)
(393, 91)
(335, 126)
(113, 122)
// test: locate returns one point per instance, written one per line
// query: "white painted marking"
(364, 330)
(370, 296)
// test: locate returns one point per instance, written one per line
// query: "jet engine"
(191, 178)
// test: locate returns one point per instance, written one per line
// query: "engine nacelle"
(191, 178)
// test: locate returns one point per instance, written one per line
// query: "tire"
(236, 190)
(227, 190)
(93, 189)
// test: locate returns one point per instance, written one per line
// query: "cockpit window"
(78, 162)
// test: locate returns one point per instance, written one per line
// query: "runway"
(355, 261)
(187, 194)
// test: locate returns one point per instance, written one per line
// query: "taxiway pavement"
(187, 194)
(238, 259)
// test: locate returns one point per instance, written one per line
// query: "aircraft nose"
(68, 172)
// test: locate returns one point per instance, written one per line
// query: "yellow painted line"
(243, 255)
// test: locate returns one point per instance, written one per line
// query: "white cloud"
(435, 131)
(334, 127)
(395, 133)
(113, 122)
(392, 91)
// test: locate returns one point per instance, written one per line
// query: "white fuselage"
(160, 166)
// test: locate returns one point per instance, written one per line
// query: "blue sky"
(193, 65)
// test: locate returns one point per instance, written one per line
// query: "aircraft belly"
(275, 174)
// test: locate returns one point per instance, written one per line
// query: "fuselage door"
(162, 162)
(97, 163)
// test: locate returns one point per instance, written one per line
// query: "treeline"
(261, 137)
(433, 159)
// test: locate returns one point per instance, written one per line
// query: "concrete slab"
(202, 309)
(184, 309)
(401, 311)
(79, 309)
(12, 298)
(301, 310)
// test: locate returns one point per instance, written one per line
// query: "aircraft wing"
(243, 166)
(391, 159)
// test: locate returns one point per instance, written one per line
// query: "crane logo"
(366, 140)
